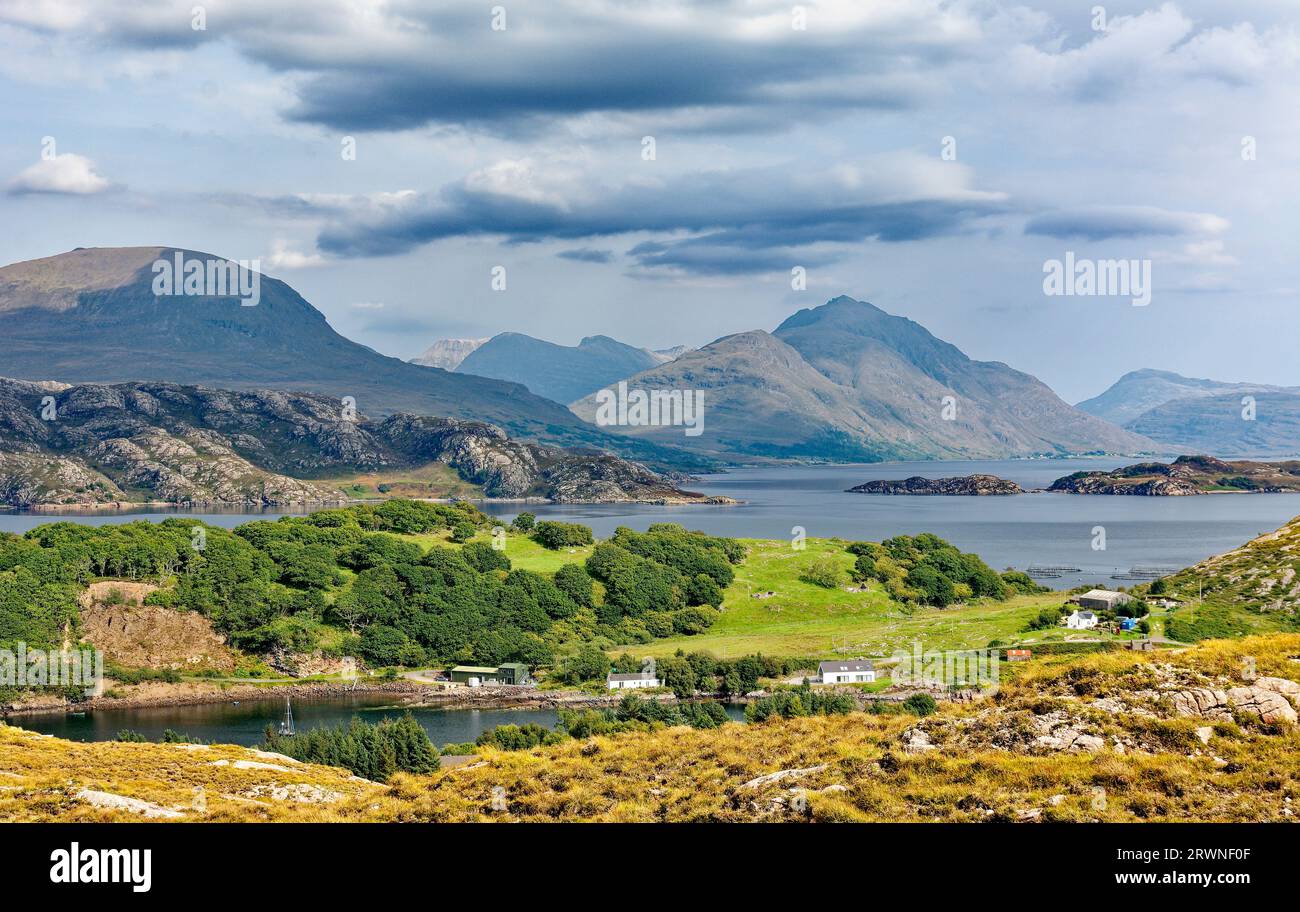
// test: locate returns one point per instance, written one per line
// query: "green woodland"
(413, 583)
(351, 581)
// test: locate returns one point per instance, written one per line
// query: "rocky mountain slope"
(98, 443)
(1186, 475)
(561, 373)
(91, 316)
(448, 353)
(1203, 415)
(848, 381)
(966, 485)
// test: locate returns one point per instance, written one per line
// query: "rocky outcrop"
(1266, 699)
(1184, 476)
(964, 486)
(99, 444)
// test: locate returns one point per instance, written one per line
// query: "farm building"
(1102, 599)
(846, 672)
(639, 679)
(475, 675)
(1019, 655)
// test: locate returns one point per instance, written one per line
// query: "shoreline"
(406, 693)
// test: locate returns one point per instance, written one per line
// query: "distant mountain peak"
(91, 316)
(849, 381)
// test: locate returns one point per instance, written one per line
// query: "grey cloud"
(586, 255)
(1097, 223)
(736, 211)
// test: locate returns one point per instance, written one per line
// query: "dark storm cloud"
(744, 215)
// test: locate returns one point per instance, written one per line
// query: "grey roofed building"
(1102, 598)
(845, 666)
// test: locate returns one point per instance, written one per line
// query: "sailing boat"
(286, 727)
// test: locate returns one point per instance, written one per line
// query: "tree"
(462, 532)
(920, 704)
(524, 522)
(576, 583)
(556, 535)
(822, 572)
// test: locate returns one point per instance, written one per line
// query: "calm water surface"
(1021, 531)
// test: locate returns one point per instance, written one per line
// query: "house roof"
(1084, 614)
(637, 676)
(854, 665)
(1107, 594)
(476, 669)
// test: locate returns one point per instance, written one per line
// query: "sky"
(662, 172)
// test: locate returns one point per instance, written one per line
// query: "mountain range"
(91, 316)
(562, 373)
(149, 441)
(848, 381)
(1207, 416)
(448, 353)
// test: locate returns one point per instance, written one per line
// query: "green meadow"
(805, 619)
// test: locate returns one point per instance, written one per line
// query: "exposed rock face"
(184, 444)
(1265, 698)
(1184, 476)
(448, 353)
(967, 485)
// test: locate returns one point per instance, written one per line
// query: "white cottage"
(640, 679)
(846, 672)
(1081, 620)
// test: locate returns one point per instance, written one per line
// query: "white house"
(1081, 620)
(629, 681)
(853, 671)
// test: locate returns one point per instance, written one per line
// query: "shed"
(513, 673)
(474, 674)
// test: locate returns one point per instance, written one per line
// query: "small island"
(1186, 475)
(963, 486)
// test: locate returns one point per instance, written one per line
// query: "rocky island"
(963, 486)
(1186, 475)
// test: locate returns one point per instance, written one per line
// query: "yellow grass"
(856, 767)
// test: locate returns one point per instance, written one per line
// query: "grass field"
(803, 619)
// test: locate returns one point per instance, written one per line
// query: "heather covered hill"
(1115, 737)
